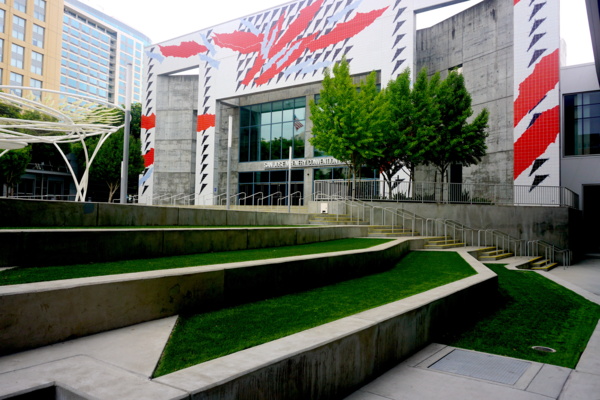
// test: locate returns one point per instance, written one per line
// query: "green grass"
(202, 337)
(532, 311)
(154, 227)
(52, 273)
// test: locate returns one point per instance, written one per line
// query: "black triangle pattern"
(536, 9)
(537, 165)
(536, 38)
(399, 13)
(536, 55)
(537, 181)
(536, 24)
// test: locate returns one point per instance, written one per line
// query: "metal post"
(127, 130)
(229, 139)
(290, 182)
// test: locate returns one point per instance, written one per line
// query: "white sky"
(164, 20)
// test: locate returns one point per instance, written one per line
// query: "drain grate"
(482, 366)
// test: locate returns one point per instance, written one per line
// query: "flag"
(297, 123)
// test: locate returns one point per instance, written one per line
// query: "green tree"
(396, 142)
(347, 121)
(12, 167)
(106, 166)
(454, 140)
(14, 162)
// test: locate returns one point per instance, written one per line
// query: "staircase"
(442, 242)
(494, 254)
(542, 264)
(384, 231)
(334, 219)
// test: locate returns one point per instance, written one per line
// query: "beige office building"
(30, 42)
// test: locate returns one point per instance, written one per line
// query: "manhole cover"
(544, 349)
(482, 366)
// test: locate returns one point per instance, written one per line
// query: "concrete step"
(334, 222)
(543, 265)
(444, 244)
(390, 234)
(499, 255)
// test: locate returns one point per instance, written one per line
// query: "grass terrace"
(205, 336)
(532, 311)
(51, 273)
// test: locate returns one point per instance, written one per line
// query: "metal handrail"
(263, 198)
(250, 197)
(291, 196)
(444, 192)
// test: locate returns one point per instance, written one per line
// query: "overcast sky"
(164, 20)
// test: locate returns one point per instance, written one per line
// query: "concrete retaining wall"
(36, 213)
(38, 314)
(333, 360)
(72, 246)
(555, 225)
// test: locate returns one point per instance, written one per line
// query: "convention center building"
(235, 117)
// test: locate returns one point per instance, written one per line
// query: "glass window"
(18, 30)
(17, 56)
(37, 62)
(38, 36)
(582, 123)
(20, 5)
(1, 51)
(2, 17)
(39, 9)
(16, 80)
(269, 130)
(36, 84)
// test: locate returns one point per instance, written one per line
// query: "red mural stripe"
(347, 30)
(275, 30)
(274, 70)
(535, 141)
(149, 158)
(532, 90)
(206, 121)
(517, 2)
(298, 26)
(258, 64)
(183, 50)
(244, 42)
(148, 121)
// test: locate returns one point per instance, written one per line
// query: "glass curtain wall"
(582, 123)
(270, 187)
(269, 130)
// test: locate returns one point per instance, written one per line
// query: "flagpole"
(290, 182)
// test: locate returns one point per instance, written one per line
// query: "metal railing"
(459, 193)
(466, 235)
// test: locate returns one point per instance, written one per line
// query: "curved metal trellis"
(71, 118)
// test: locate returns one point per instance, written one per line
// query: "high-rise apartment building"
(30, 43)
(69, 46)
(96, 50)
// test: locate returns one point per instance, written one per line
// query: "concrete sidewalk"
(481, 376)
(129, 356)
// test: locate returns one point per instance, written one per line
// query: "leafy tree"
(12, 167)
(347, 121)
(397, 142)
(14, 162)
(454, 140)
(106, 167)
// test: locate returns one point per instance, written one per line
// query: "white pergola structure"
(70, 118)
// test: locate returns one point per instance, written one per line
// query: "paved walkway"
(436, 372)
(482, 376)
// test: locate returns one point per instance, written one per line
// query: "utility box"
(324, 208)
